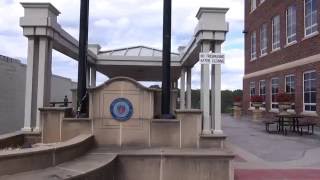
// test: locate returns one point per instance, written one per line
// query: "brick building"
(282, 53)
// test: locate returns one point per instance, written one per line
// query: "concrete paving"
(260, 155)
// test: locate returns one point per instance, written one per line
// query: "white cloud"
(121, 23)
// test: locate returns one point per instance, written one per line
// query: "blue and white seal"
(121, 109)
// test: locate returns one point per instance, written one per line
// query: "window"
(262, 90)
(291, 24)
(276, 33)
(252, 91)
(263, 40)
(253, 46)
(309, 91)
(290, 87)
(274, 92)
(253, 5)
(310, 17)
(290, 84)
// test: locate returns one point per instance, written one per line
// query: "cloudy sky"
(123, 23)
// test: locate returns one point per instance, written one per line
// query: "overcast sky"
(123, 23)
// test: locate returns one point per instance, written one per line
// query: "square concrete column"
(44, 77)
(216, 94)
(93, 76)
(205, 96)
(183, 88)
(31, 85)
(189, 87)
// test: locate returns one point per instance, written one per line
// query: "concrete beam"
(183, 88)
(205, 96)
(216, 94)
(189, 83)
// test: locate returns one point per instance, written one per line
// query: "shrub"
(283, 97)
(257, 99)
(237, 99)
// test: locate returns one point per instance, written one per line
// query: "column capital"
(95, 48)
(207, 29)
(40, 19)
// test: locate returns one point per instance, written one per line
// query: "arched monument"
(121, 113)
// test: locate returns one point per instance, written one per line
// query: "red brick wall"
(298, 72)
(263, 14)
(302, 49)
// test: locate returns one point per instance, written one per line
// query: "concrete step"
(89, 166)
(139, 164)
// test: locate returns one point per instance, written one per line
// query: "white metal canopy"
(138, 62)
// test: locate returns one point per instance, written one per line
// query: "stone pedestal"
(237, 112)
(212, 141)
(256, 114)
(51, 123)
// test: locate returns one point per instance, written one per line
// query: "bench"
(270, 122)
(308, 124)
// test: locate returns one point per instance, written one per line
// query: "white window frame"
(312, 25)
(276, 33)
(253, 5)
(265, 92)
(271, 86)
(253, 50)
(310, 104)
(264, 40)
(294, 85)
(292, 24)
(252, 87)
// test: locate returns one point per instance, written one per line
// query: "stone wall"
(12, 90)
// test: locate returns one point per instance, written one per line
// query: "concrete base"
(256, 114)
(16, 161)
(212, 141)
(217, 132)
(18, 139)
(140, 164)
(165, 133)
(173, 164)
(26, 129)
(206, 132)
(37, 130)
(237, 112)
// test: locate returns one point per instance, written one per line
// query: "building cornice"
(282, 67)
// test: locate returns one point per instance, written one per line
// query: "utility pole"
(82, 93)
(166, 60)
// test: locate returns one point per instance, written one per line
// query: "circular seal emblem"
(121, 109)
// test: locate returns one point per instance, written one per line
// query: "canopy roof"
(139, 62)
(136, 51)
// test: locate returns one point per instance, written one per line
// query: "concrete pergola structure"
(141, 63)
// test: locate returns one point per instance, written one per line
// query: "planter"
(283, 107)
(256, 105)
(238, 104)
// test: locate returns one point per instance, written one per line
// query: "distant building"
(282, 53)
(12, 92)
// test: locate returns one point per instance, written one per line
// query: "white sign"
(211, 58)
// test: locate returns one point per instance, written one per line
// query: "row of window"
(310, 28)
(253, 4)
(309, 90)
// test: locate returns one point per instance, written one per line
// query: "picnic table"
(61, 103)
(288, 120)
(294, 121)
